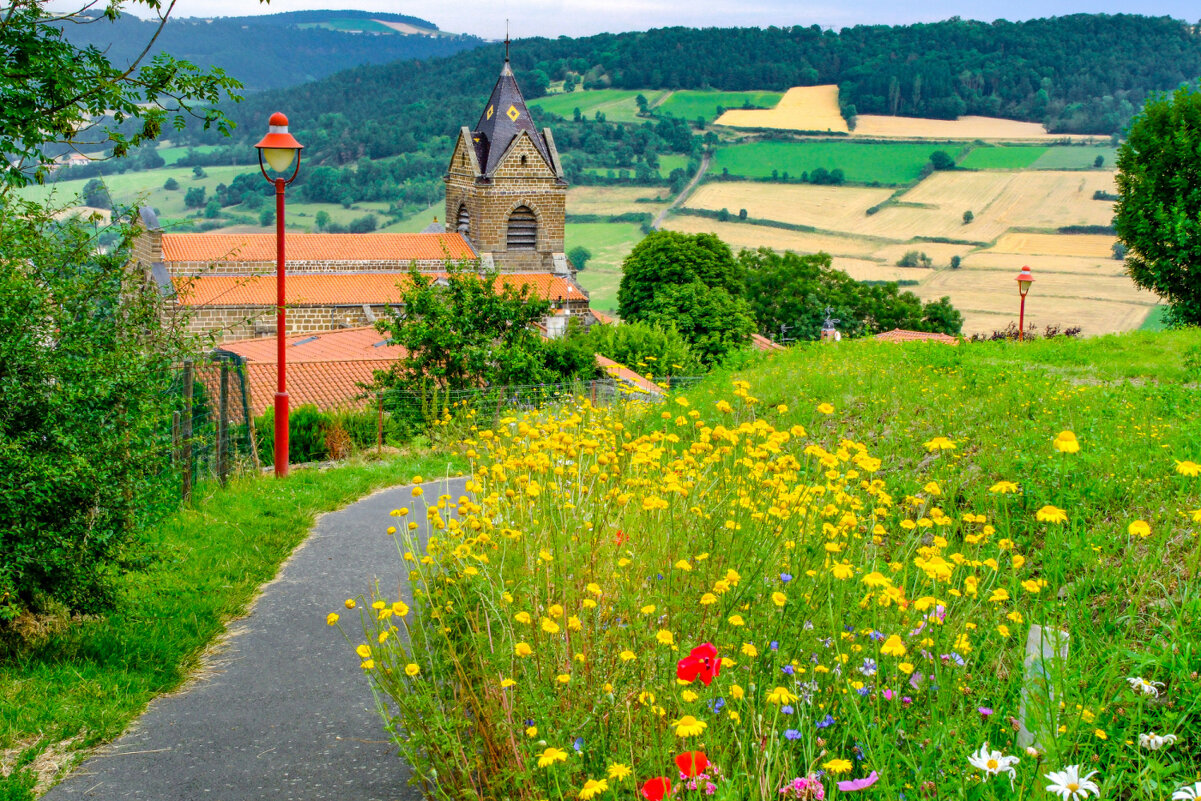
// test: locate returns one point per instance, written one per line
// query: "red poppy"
(656, 789)
(620, 539)
(692, 763)
(701, 663)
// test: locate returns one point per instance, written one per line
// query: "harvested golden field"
(965, 128)
(1099, 246)
(868, 270)
(939, 252)
(742, 235)
(830, 208)
(1014, 262)
(1098, 304)
(802, 108)
(611, 200)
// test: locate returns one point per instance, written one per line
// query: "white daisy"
(1188, 793)
(1068, 784)
(993, 762)
(1154, 742)
(1141, 685)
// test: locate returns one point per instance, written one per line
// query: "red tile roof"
(325, 369)
(762, 343)
(602, 318)
(902, 335)
(338, 289)
(628, 376)
(209, 248)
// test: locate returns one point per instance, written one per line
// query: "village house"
(505, 212)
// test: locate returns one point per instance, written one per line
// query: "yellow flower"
(736, 692)
(736, 620)
(825, 408)
(905, 667)
(837, 766)
(523, 649)
(550, 626)
(842, 571)
(550, 756)
(1051, 514)
(665, 637)
(649, 609)
(1100, 734)
(708, 598)
(563, 678)
(412, 669)
(400, 608)
(350, 603)
(331, 618)
(893, 646)
(1065, 442)
(364, 651)
(1003, 487)
(779, 598)
(1139, 528)
(933, 488)
(594, 787)
(999, 595)
(628, 655)
(507, 683)
(939, 444)
(780, 695)
(688, 726)
(724, 406)
(617, 771)
(531, 732)
(683, 564)
(594, 588)
(1187, 468)
(367, 664)
(749, 650)
(523, 617)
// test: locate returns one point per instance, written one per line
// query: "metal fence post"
(223, 426)
(186, 433)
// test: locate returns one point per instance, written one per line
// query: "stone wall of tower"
(491, 201)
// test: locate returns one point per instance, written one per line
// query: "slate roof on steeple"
(504, 118)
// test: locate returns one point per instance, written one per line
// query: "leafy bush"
(914, 258)
(307, 427)
(86, 377)
(644, 347)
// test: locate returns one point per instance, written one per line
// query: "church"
(505, 212)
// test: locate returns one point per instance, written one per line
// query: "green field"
(616, 104)
(1156, 319)
(144, 188)
(672, 162)
(1076, 157)
(367, 25)
(884, 163)
(610, 243)
(1002, 158)
(173, 154)
(693, 104)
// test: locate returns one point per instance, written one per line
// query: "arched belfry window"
(523, 229)
(464, 223)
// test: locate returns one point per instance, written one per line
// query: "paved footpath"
(283, 713)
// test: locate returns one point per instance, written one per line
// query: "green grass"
(672, 162)
(1002, 158)
(1156, 319)
(885, 163)
(144, 187)
(172, 154)
(208, 562)
(691, 104)
(610, 243)
(616, 104)
(1076, 158)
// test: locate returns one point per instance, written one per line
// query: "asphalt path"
(282, 710)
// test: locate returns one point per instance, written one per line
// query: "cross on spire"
(506, 41)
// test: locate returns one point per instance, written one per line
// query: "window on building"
(464, 224)
(523, 229)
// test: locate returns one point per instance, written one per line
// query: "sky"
(486, 18)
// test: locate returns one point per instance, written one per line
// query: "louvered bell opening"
(523, 229)
(464, 224)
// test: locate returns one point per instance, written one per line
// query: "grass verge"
(82, 686)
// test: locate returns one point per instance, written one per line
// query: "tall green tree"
(55, 95)
(1158, 212)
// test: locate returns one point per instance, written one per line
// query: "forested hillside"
(274, 50)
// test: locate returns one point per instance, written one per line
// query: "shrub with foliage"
(86, 377)
(647, 348)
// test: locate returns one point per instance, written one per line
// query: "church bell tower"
(505, 189)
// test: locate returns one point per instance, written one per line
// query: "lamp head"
(278, 148)
(1024, 279)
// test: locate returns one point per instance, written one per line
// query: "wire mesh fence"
(212, 430)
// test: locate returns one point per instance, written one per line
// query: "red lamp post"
(279, 148)
(1024, 279)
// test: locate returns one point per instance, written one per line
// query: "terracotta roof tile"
(401, 248)
(762, 343)
(902, 335)
(602, 318)
(329, 384)
(337, 289)
(628, 376)
(348, 345)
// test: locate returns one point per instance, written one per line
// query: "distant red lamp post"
(1024, 279)
(279, 149)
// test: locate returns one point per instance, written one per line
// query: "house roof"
(902, 335)
(325, 369)
(628, 376)
(763, 344)
(339, 289)
(602, 318)
(505, 117)
(211, 248)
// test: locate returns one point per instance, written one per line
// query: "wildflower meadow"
(849, 570)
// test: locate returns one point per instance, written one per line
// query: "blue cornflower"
(578, 745)
(716, 705)
(785, 577)
(792, 734)
(775, 645)
(788, 669)
(863, 691)
(787, 709)
(826, 722)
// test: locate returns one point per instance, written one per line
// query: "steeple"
(505, 117)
